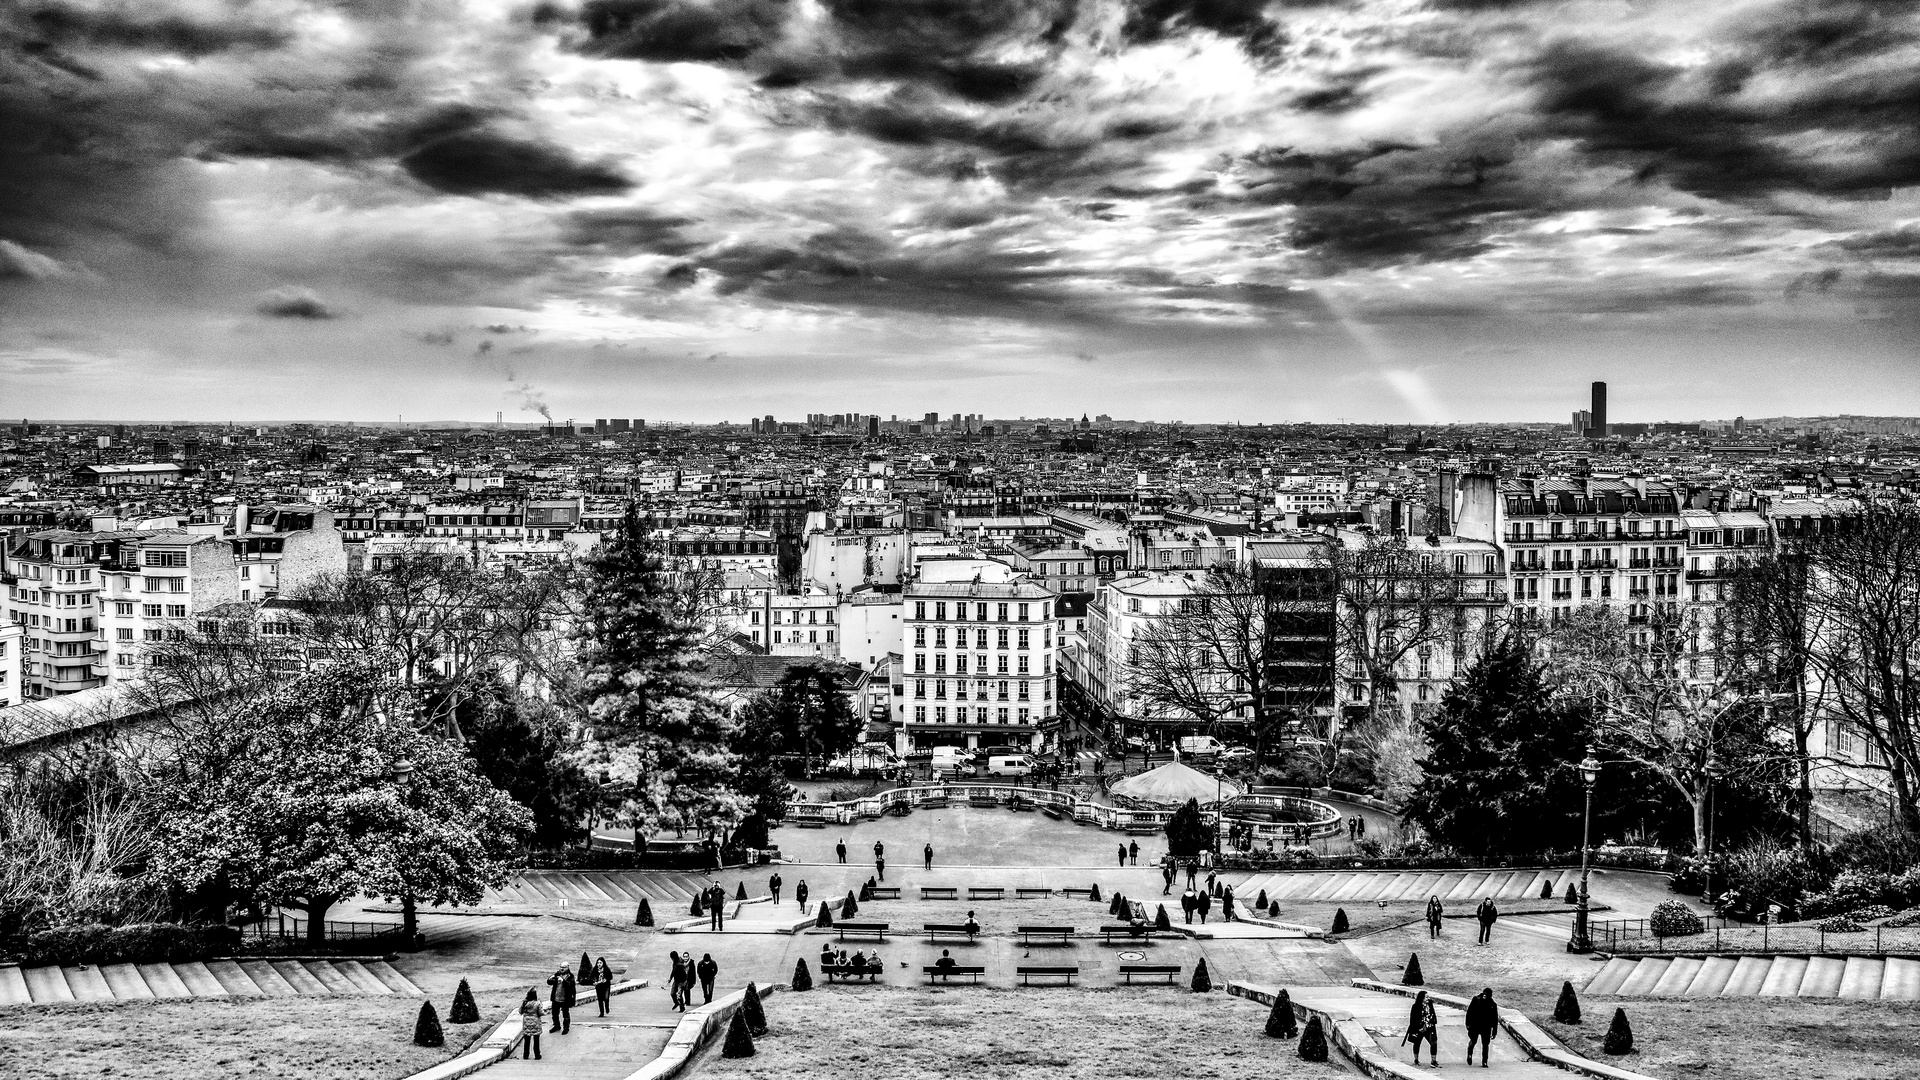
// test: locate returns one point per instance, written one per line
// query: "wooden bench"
(939, 892)
(1169, 972)
(862, 929)
(1052, 812)
(884, 892)
(811, 823)
(1144, 830)
(1027, 973)
(934, 930)
(1131, 933)
(1064, 933)
(986, 892)
(948, 974)
(847, 972)
(1082, 894)
(1031, 893)
(934, 802)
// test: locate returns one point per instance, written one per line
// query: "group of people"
(1487, 914)
(563, 989)
(856, 962)
(1356, 827)
(1423, 1026)
(1130, 851)
(686, 972)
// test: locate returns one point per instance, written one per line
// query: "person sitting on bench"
(945, 964)
(826, 956)
(857, 965)
(973, 926)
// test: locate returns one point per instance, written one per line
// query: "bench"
(811, 823)
(1131, 933)
(939, 892)
(1144, 830)
(1169, 972)
(936, 802)
(847, 972)
(934, 930)
(1027, 973)
(1064, 933)
(884, 892)
(1031, 894)
(986, 892)
(1052, 812)
(1082, 894)
(862, 929)
(940, 974)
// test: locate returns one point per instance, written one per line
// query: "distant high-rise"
(1599, 410)
(873, 427)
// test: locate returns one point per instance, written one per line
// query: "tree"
(654, 733)
(1396, 599)
(802, 978)
(1566, 1010)
(1313, 1041)
(1619, 1038)
(1202, 981)
(1340, 924)
(1412, 975)
(426, 1027)
(1498, 777)
(1280, 1019)
(465, 1010)
(739, 1042)
(811, 713)
(1187, 832)
(1204, 655)
(320, 809)
(750, 1008)
(521, 745)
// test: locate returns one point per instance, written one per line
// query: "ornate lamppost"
(1581, 941)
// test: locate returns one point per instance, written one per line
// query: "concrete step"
(392, 978)
(1901, 981)
(87, 984)
(298, 977)
(163, 981)
(1862, 978)
(1679, 975)
(1749, 975)
(270, 982)
(1784, 977)
(1611, 976)
(13, 987)
(126, 982)
(47, 984)
(1645, 975)
(1823, 977)
(329, 976)
(1714, 973)
(233, 979)
(363, 980)
(200, 981)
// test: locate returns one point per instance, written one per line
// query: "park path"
(1384, 1019)
(609, 1047)
(244, 977)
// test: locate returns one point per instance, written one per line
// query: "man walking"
(840, 849)
(879, 850)
(1486, 913)
(927, 854)
(1123, 854)
(1189, 903)
(708, 971)
(1133, 852)
(560, 999)
(1193, 870)
(773, 886)
(1166, 875)
(716, 908)
(1483, 1019)
(880, 866)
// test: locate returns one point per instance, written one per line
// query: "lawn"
(1056, 1033)
(311, 1038)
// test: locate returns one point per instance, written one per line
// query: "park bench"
(937, 802)
(884, 892)
(811, 823)
(1145, 830)
(1169, 972)
(1023, 893)
(1082, 894)
(1052, 812)
(848, 973)
(934, 930)
(980, 800)
(1064, 933)
(939, 892)
(948, 974)
(1067, 973)
(986, 892)
(862, 929)
(1131, 933)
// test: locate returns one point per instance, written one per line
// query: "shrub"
(1313, 1041)
(1671, 918)
(426, 1029)
(1905, 918)
(697, 908)
(1573, 894)
(1567, 1009)
(1838, 924)
(1690, 879)
(1093, 894)
(1412, 976)
(1202, 982)
(751, 833)
(1870, 913)
(643, 917)
(1340, 923)
(850, 908)
(1273, 909)
(464, 1010)
(740, 892)
(802, 978)
(825, 919)
(1160, 920)
(1261, 900)
(1881, 849)
(1117, 906)
(1767, 871)
(739, 1040)
(133, 943)
(1280, 1022)
(750, 1008)
(1186, 832)
(1619, 1035)
(1546, 890)
(584, 976)
(1852, 889)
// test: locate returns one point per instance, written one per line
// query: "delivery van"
(1009, 765)
(947, 758)
(1200, 746)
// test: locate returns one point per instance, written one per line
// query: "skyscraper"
(1599, 428)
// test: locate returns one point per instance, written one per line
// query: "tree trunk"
(409, 917)
(1699, 805)
(1804, 796)
(316, 909)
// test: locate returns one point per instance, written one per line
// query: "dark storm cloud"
(1243, 20)
(673, 31)
(481, 162)
(630, 229)
(62, 26)
(296, 304)
(1900, 243)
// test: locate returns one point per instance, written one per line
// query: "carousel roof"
(1174, 783)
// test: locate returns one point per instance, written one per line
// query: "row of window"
(961, 608)
(1525, 530)
(1025, 640)
(58, 626)
(980, 716)
(793, 616)
(960, 664)
(981, 689)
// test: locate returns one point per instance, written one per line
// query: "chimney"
(242, 519)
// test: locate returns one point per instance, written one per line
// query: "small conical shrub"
(643, 917)
(1261, 900)
(1273, 909)
(1340, 923)
(584, 974)
(1202, 982)
(750, 1008)
(825, 918)
(1160, 920)
(1546, 889)
(1093, 894)
(1619, 1035)
(802, 978)
(1567, 1009)
(851, 908)
(1412, 976)
(464, 1011)
(740, 891)
(1115, 907)
(1572, 896)
(697, 908)
(739, 1040)
(1280, 1023)
(426, 1030)
(866, 893)
(1313, 1041)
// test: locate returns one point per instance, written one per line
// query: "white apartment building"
(13, 651)
(977, 656)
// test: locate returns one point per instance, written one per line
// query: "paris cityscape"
(1434, 485)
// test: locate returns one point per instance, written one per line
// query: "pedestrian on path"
(1166, 874)
(1434, 914)
(1123, 854)
(1213, 885)
(927, 853)
(879, 850)
(686, 983)
(1133, 852)
(716, 908)
(800, 895)
(1226, 905)
(1423, 1026)
(603, 986)
(1486, 913)
(1206, 904)
(708, 971)
(773, 886)
(1189, 903)
(880, 866)
(1193, 868)
(1483, 1019)
(674, 979)
(529, 1026)
(840, 849)
(561, 998)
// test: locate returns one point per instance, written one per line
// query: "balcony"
(1639, 594)
(1595, 564)
(1666, 564)
(1639, 564)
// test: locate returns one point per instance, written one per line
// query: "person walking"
(880, 867)
(800, 895)
(1213, 886)
(1483, 1019)
(840, 849)
(1189, 903)
(716, 908)
(773, 886)
(687, 976)
(1486, 913)
(879, 850)
(1434, 914)
(674, 980)
(926, 854)
(1226, 904)
(1423, 1026)
(1166, 875)
(530, 1026)
(1133, 852)
(1193, 870)
(603, 986)
(708, 971)
(560, 998)
(1123, 854)
(1206, 904)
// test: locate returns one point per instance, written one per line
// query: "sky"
(1208, 210)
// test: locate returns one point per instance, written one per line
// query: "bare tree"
(1394, 599)
(1204, 656)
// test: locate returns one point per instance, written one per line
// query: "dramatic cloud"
(296, 304)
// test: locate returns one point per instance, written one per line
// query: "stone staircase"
(1848, 978)
(1453, 887)
(668, 892)
(213, 978)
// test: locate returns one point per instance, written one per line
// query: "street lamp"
(401, 773)
(1581, 941)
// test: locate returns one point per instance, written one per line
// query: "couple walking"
(685, 973)
(1486, 913)
(1423, 1026)
(563, 991)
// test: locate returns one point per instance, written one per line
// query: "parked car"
(1237, 754)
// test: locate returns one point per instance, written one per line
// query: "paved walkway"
(1384, 1016)
(603, 1048)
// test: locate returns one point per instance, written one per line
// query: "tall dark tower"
(1599, 428)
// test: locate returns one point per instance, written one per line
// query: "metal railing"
(1723, 936)
(281, 927)
(1326, 820)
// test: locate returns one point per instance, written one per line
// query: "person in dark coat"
(1206, 905)
(1189, 903)
(800, 895)
(1193, 870)
(561, 998)
(973, 926)
(1483, 1019)
(674, 979)
(880, 868)
(840, 849)
(927, 854)
(708, 971)
(826, 956)
(716, 908)
(1486, 913)
(1423, 1026)
(1123, 854)
(1434, 914)
(773, 886)
(879, 850)
(1133, 852)
(603, 986)
(687, 976)
(1166, 874)
(1226, 904)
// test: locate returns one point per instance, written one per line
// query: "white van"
(946, 758)
(1009, 765)
(1200, 746)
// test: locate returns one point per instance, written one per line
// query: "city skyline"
(1386, 211)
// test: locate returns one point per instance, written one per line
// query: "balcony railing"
(1595, 564)
(1639, 564)
(1638, 594)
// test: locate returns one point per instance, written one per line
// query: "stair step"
(300, 978)
(1862, 977)
(1784, 977)
(13, 986)
(1675, 980)
(1644, 977)
(1823, 977)
(233, 979)
(163, 980)
(1901, 981)
(87, 984)
(199, 980)
(329, 976)
(1749, 975)
(270, 981)
(392, 979)
(47, 984)
(362, 979)
(1714, 973)
(1611, 976)
(126, 982)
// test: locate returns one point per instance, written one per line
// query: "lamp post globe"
(1589, 768)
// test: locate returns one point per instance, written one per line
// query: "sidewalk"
(1384, 1016)
(603, 1048)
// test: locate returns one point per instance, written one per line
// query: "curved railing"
(1324, 819)
(1308, 817)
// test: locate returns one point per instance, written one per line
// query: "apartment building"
(978, 658)
(13, 653)
(704, 547)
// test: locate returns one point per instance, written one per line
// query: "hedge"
(134, 943)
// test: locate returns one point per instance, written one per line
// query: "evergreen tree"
(521, 744)
(825, 919)
(1260, 901)
(643, 917)
(740, 891)
(1619, 1035)
(1093, 894)
(1573, 895)
(758, 741)
(1187, 834)
(851, 907)
(815, 716)
(584, 976)
(1498, 772)
(1280, 1021)
(739, 1042)
(698, 907)
(1313, 1041)
(1340, 923)
(1160, 920)
(464, 1010)
(426, 1029)
(750, 1008)
(1567, 1009)
(1202, 982)
(802, 978)
(1546, 889)
(1412, 976)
